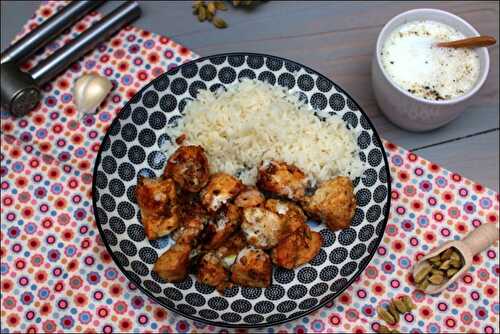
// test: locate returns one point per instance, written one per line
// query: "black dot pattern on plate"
(227, 75)
(150, 99)
(129, 132)
(283, 276)
(168, 103)
(148, 255)
(255, 62)
(156, 160)
(208, 72)
(126, 210)
(246, 74)
(190, 70)
(308, 303)
(307, 275)
(140, 142)
(209, 314)
(286, 306)
(318, 289)
(195, 299)
(231, 317)
(119, 149)
(357, 251)
(178, 86)
(274, 64)
(348, 268)
(318, 101)
(203, 288)
(264, 307)
(152, 286)
(319, 259)
(373, 213)
(251, 293)
(366, 233)
(139, 116)
(126, 171)
(274, 292)
(369, 177)
(286, 80)
(347, 236)
(140, 268)
(161, 83)
(338, 255)
(110, 238)
(241, 306)
(363, 197)
(218, 303)
(117, 225)
(327, 236)
(268, 77)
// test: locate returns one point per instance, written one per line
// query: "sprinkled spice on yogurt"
(414, 63)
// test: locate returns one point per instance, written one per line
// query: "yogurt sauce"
(414, 63)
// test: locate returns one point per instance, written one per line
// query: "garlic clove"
(89, 92)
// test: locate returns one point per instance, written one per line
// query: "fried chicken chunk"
(282, 179)
(262, 228)
(172, 265)
(211, 271)
(232, 247)
(221, 189)
(333, 202)
(252, 268)
(188, 166)
(297, 248)
(157, 201)
(190, 229)
(224, 224)
(291, 213)
(249, 197)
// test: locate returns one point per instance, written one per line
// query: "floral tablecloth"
(56, 275)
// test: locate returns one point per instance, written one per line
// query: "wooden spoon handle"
(482, 237)
(471, 42)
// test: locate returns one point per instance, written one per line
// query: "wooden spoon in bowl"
(471, 42)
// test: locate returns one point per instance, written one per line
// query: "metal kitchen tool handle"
(47, 31)
(47, 69)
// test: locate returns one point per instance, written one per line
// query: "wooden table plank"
(335, 38)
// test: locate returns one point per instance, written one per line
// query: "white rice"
(254, 121)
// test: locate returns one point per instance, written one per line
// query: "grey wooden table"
(337, 39)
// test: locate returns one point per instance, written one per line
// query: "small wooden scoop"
(471, 42)
(475, 242)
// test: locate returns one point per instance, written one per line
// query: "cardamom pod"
(456, 263)
(455, 256)
(436, 279)
(400, 305)
(423, 285)
(435, 260)
(198, 3)
(450, 272)
(384, 330)
(219, 23)
(210, 16)
(445, 265)
(423, 270)
(446, 254)
(436, 271)
(409, 303)
(385, 315)
(202, 13)
(220, 5)
(392, 310)
(236, 3)
(211, 7)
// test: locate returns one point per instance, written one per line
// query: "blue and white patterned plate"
(138, 143)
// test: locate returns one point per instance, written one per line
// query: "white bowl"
(412, 112)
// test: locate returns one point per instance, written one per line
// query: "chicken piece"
(211, 271)
(282, 179)
(262, 228)
(333, 202)
(157, 201)
(230, 249)
(298, 248)
(188, 166)
(291, 213)
(223, 225)
(250, 197)
(191, 228)
(221, 189)
(252, 268)
(172, 265)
